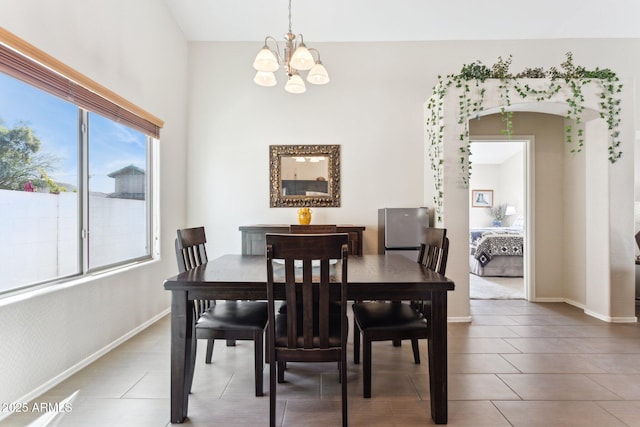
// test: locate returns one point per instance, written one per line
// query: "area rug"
(496, 287)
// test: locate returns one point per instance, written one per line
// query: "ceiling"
(406, 20)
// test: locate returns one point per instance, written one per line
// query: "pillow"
(518, 223)
(474, 236)
(483, 259)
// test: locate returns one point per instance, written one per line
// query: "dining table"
(370, 277)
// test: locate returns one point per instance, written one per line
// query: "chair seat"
(281, 331)
(235, 315)
(381, 316)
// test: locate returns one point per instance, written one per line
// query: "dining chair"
(308, 331)
(227, 320)
(396, 320)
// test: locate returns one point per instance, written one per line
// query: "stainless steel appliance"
(399, 230)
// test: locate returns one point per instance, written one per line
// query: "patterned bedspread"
(492, 244)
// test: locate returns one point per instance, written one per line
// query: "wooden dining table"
(244, 277)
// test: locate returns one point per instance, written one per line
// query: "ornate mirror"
(304, 175)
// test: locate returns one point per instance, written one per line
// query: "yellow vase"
(304, 216)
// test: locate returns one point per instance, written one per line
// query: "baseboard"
(574, 303)
(611, 319)
(459, 319)
(85, 362)
(608, 319)
(633, 319)
(549, 299)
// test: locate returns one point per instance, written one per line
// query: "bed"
(496, 252)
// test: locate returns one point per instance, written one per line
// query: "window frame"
(88, 96)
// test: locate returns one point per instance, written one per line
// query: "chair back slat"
(307, 303)
(434, 248)
(292, 299)
(307, 278)
(323, 305)
(191, 252)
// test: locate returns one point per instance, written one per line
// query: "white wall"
(575, 223)
(512, 185)
(484, 177)
(136, 50)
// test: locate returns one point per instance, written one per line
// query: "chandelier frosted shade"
(295, 84)
(266, 61)
(265, 78)
(302, 59)
(318, 75)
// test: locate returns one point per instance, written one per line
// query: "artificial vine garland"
(471, 99)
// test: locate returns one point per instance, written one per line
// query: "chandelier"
(296, 57)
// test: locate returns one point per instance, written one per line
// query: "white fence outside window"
(39, 234)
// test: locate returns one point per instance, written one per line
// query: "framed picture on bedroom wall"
(482, 198)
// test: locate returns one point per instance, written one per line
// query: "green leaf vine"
(469, 83)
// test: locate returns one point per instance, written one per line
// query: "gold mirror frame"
(280, 200)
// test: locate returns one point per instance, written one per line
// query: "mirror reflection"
(305, 175)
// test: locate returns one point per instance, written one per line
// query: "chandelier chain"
(290, 17)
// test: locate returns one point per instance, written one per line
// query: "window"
(38, 156)
(118, 185)
(75, 174)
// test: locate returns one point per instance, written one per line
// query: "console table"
(254, 242)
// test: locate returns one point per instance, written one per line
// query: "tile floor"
(517, 364)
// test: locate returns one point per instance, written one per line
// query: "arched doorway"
(595, 212)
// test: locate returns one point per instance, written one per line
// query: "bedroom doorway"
(499, 201)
